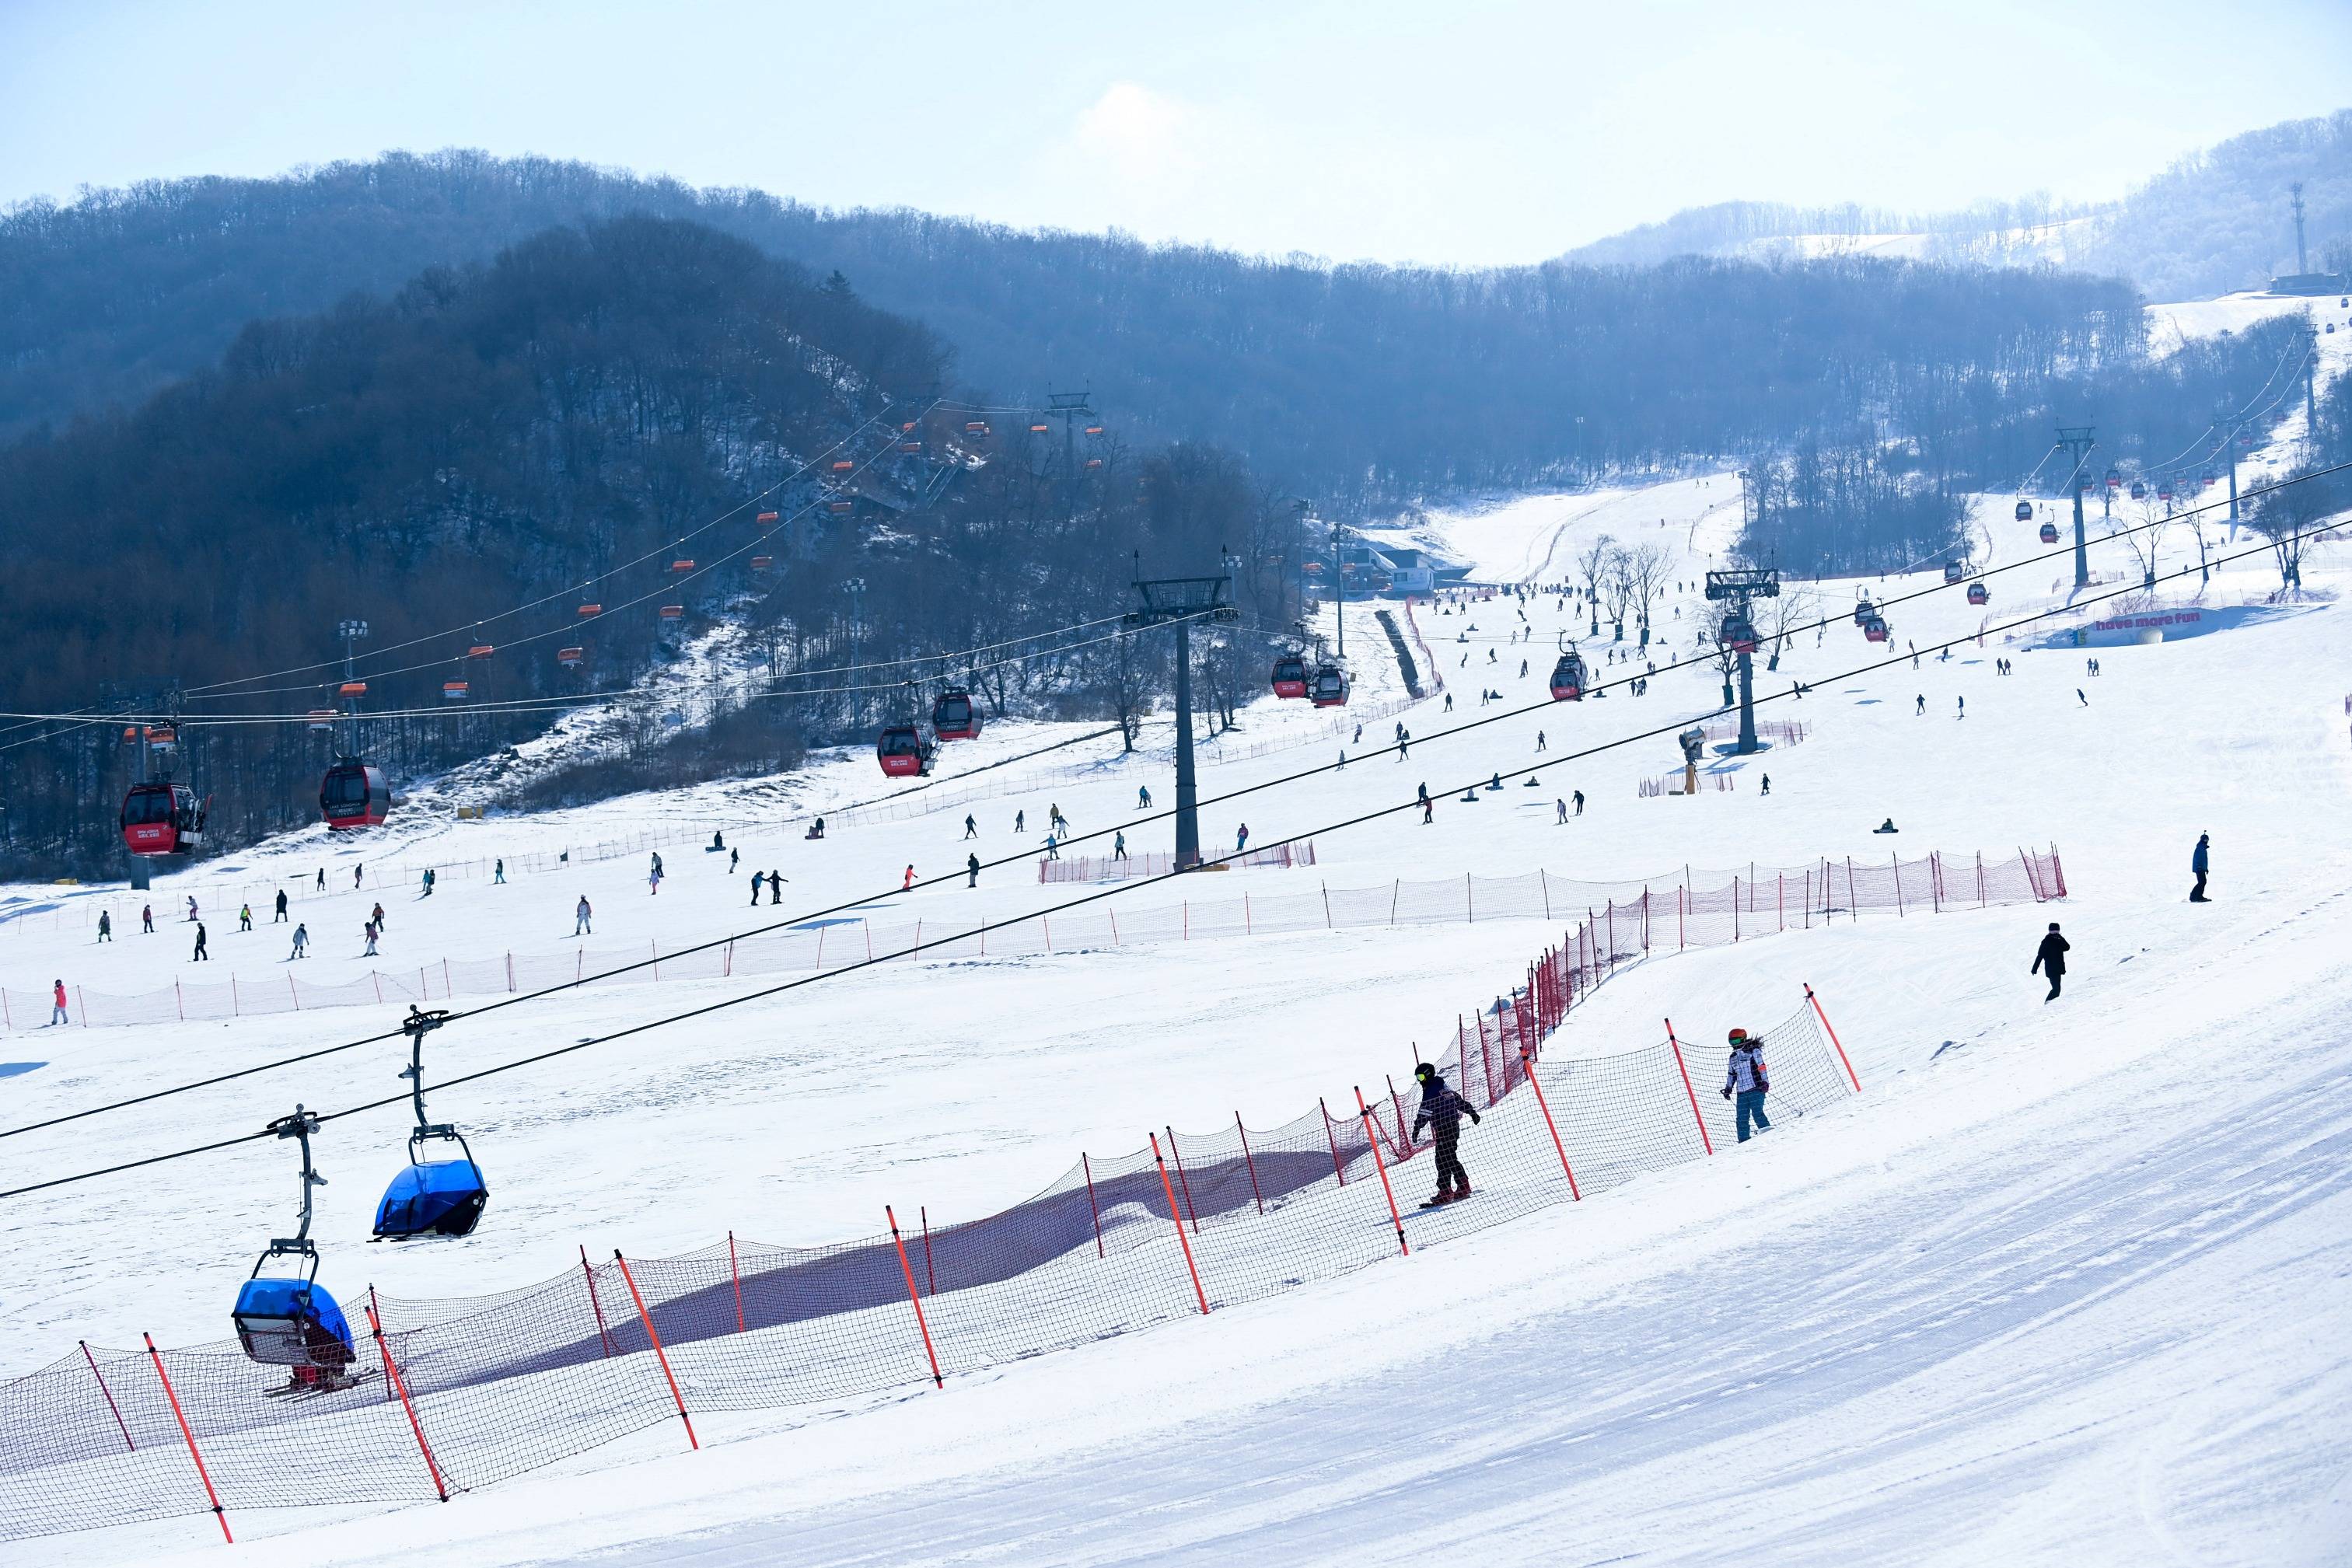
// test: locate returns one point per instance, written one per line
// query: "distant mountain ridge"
(2213, 222)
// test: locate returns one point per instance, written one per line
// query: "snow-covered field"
(2067, 1282)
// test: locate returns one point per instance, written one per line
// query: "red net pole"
(1833, 1039)
(392, 1375)
(590, 1275)
(102, 1388)
(1395, 1218)
(1336, 1169)
(1249, 1160)
(909, 1270)
(735, 1273)
(182, 1417)
(659, 1353)
(1092, 1206)
(930, 1276)
(1182, 1240)
(1704, 1141)
(1528, 1070)
(1184, 1181)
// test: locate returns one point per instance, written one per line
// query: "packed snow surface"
(2068, 1282)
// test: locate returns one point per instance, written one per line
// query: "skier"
(972, 865)
(191, 906)
(200, 956)
(775, 885)
(1359, 737)
(376, 915)
(1142, 797)
(1428, 807)
(244, 917)
(147, 918)
(301, 943)
(1059, 823)
(653, 882)
(1119, 846)
(1561, 808)
(424, 884)
(1020, 822)
(371, 931)
(1747, 1077)
(1539, 740)
(580, 914)
(1964, 706)
(1578, 796)
(2050, 958)
(906, 883)
(57, 1012)
(1449, 702)
(1442, 1111)
(1767, 784)
(1920, 710)
(105, 926)
(2081, 699)
(322, 879)
(2197, 863)
(356, 872)
(1052, 852)
(499, 871)
(971, 828)
(1404, 742)
(758, 878)
(734, 860)
(281, 906)
(1241, 839)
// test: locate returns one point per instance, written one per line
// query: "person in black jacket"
(2052, 960)
(1442, 1111)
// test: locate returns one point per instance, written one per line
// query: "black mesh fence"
(457, 1394)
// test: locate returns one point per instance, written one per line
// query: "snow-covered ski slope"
(2065, 1282)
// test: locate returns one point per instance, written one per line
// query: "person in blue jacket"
(2199, 864)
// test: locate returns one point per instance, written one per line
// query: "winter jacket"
(1748, 1070)
(2051, 959)
(2197, 861)
(1442, 1109)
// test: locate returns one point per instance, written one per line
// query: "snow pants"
(1450, 1173)
(1746, 1107)
(2197, 893)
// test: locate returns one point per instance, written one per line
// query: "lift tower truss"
(1740, 588)
(1180, 601)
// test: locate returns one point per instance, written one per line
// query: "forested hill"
(1352, 383)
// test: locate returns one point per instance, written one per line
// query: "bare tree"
(1617, 588)
(1591, 564)
(1793, 609)
(2145, 541)
(1647, 566)
(2290, 516)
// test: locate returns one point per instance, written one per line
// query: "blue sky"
(1461, 133)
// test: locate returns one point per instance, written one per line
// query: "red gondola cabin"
(1329, 688)
(354, 795)
(903, 752)
(2049, 533)
(955, 716)
(1977, 594)
(1568, 679)
(161, 819)
(1290, 676)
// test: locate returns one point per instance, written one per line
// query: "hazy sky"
(1445, 131)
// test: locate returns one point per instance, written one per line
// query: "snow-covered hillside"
(2065, 1282)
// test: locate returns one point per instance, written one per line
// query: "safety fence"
(1771, 899)
(434, 1396)
(1672, 784)
(1123, 867)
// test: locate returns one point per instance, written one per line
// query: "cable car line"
(320, 1118)
(865, 899)
(750, 503)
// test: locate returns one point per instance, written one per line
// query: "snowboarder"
(1578, 796)
(972, 865)
(1441, 1112)
(1539, 740)
(1562, 807)
(147, 918)
(734, 860)
(1119, 846)
(2051, 959)
(775, 885)
(1767, 784)
(1449, 702)
(191, 906)
(758, 878)
(322, 879)
(1059, 823)
(57, 1012)
(579, 922)
(906, 883)
(200, 956)
(1020, 822)
(1241, 839)
(1920, 710)
(424, 884)
(971, 828)
(1964, 706)
(281, 906)
(356, 872)
(2081, 699)
(499, 871)
(653, 882)
(2197, 863)
(244, 917)
(1142, 797)
(375, 916)
(717, 841)
(1886, 827)
(301, 943)
(1747, 1078)
(1053, 852)
(1405, 744)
